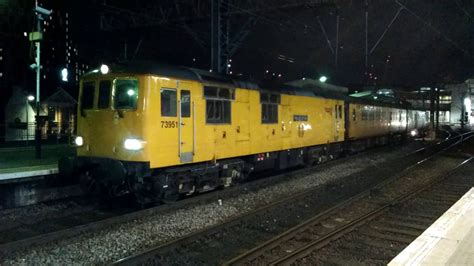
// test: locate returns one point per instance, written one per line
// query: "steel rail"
(151, 252)
(303, 251)
(255, 252)
(16, 245)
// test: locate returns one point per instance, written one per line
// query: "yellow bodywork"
(168, 139)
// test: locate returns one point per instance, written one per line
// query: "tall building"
(61, 60)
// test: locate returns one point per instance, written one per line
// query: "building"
(58, 111)
(462, 96)
(61, 58)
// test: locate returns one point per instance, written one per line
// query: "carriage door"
(186, 125)
(337, 121)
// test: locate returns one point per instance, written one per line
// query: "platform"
(20, 163)
(448, 241)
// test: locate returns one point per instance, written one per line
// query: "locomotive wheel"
(171, 194)
(171, 191)
(88, 184)
(238, 173)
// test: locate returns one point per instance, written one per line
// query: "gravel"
(125, 239)
(42, 211)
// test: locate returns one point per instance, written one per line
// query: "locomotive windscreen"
(126, 94)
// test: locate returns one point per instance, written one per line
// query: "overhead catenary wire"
(427, 24)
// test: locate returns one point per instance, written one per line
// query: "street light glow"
(323, 78)
(64, 74)
(30, 98)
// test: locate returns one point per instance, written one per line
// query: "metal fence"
(25, 133)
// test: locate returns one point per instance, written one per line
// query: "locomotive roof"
(206, 77)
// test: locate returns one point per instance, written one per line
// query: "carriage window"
(339, 108)
(365, 113)
(185, 103)
(87, 100)
(218, 104)
(354, 114)
(217, 111)
(126, 94)
(104, 94)
(168, 102)
(377, 114)
(269, 107)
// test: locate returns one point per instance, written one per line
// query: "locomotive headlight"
(414, 132)
(133, 144)
(79, 141)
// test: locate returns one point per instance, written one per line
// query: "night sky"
(430, 42)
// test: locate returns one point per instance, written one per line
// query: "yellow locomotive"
(160, 131)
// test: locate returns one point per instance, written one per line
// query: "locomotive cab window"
(104, 94)
(87, 99)
(126, 94)
(218, 104)
(269, 107)
(168, 102)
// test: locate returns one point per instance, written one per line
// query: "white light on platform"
(467, 104)
(323, 79)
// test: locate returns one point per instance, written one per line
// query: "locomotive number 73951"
(169, 124)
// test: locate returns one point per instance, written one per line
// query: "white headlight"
(104, 69)
(133, 144)
(414, 132)
(79, 141)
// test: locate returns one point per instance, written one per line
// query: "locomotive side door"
(186, 123)
(338, 119)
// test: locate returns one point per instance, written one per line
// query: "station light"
(323, 79)
(131, 92)
(30, 98)
(64, 74)
(133, 144)
(104, 69)
(467, 104)
(414, 132)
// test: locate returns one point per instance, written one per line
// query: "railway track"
(371, 228)
(19, 235)
(211, 245)
(373, 237)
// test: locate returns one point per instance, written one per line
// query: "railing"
(24, 133)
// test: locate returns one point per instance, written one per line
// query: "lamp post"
(37, 37)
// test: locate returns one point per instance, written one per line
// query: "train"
(161, 132)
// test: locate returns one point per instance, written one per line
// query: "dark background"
(431, 42)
